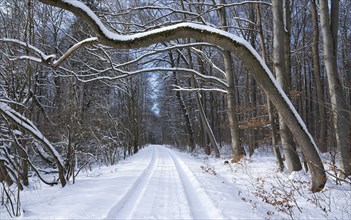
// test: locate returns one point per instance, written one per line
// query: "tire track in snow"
(125, 208)
(201, 205)
(165, 195)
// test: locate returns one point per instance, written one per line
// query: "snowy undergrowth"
(271, 194)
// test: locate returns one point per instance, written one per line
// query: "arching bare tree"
(241, 48)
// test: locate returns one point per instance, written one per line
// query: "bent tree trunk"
(249, 56)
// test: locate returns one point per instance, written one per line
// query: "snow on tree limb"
(49, 59)
(42, 55)
(27, 125)
(178, 88)
(125, 74)
(76, 46)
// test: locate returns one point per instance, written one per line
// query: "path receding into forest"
(165, 188)
(156, 183)
(163, 183)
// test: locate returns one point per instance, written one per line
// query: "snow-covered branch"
(48, 59)
(42, 55)
(27, 125)
(76, 46)
(179, 88)
(124, 74)
(203, 55)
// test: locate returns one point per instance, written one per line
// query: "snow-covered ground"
(162, 183)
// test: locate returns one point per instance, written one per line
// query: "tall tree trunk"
(322, 121)
(283, 78)
(237, 148)
(341, 118)
(189, 128)
(270, 108)
(204, 122)
(252, 90)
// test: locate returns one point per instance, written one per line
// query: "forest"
(91, 82)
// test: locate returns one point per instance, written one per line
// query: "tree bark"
(341, 118)
(322, 121)
(235, 140)
(281, 64)
(189, 128)
(272, 117)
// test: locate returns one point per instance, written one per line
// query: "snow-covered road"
(162, 183)
(166, 188)
(156, 183)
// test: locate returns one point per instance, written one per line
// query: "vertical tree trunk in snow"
(252, 131)
(270, 107)
(183, 108)
(279, 55)
(341, 118)
(322, 134)
(237, 148)
(204, 122)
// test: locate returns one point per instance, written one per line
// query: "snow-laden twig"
(179, 88)
(39, 52)
(48, 59)
(209, 61)
(125, 74)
